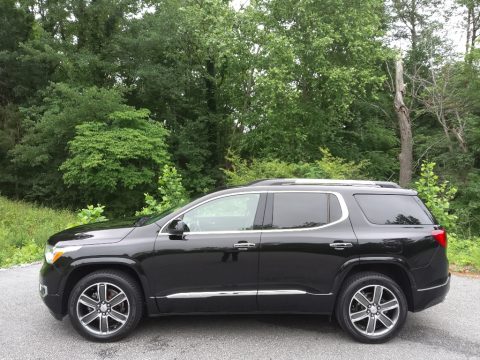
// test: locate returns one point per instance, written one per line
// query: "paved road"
(27, 331)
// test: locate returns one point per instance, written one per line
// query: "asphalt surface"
(450, 330)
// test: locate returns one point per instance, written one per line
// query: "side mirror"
(177, 227)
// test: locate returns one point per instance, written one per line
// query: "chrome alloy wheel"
(374, 310)
(103, 308)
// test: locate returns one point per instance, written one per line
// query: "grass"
(464, 254)
(24, 229)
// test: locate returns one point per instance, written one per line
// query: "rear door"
(307, 237)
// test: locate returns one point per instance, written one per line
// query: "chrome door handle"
(244, 245)
(341, 245)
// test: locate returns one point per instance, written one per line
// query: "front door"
(213, 267)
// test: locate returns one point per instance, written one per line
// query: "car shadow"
(214, 323)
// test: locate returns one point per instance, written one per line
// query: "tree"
(472, 22)
(175, 59)
(122, 155)
(49, 127)
(307, 67)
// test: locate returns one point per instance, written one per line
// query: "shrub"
(328, 167)
(436, 195)
(91, 214)
(171, 193)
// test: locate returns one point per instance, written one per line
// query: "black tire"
(359, 330)
(117, 280)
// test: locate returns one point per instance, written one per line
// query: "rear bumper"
(427, 297)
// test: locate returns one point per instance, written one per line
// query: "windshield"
(149, 219)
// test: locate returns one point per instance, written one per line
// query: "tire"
(108, 317)
(358, 315)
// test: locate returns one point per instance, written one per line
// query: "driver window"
(229, 213)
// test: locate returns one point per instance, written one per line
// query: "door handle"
(243, 245)
(341, 245)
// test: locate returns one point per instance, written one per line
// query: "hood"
(97, 233)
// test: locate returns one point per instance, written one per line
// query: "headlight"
(53, 253)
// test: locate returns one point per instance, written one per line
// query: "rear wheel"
(371, 307)
(105, 305)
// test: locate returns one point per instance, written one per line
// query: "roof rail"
(332, 182)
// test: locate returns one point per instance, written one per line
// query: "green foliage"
(331, 167)
(273, 82)
(171, 193)
(89, 215)
(464, 253)
(28, 253)
(467, 206)
(122, 155)
(49, 127)
(24, 229)
(328, 167)
(294, 97)
(242, 172)
(437, 196)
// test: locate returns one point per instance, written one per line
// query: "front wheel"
(371, 307)
(105, 305)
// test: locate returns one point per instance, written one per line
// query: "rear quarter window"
(393, 209)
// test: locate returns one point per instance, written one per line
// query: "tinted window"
(393, 210)
(299, 210)
(230, 213)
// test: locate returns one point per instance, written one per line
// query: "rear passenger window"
(393, 210)
(303, 210)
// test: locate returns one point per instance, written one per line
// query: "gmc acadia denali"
(367, 252)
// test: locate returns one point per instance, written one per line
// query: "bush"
(328, 167)
(171, 193)
(91, 214)
(436, 195)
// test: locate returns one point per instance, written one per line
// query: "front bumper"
(49, 289)
(425, 298)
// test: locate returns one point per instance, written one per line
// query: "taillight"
(440, 236)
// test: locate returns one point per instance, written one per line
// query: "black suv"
(367, 252)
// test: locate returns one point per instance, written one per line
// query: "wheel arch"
(84, 267)
(392, 267)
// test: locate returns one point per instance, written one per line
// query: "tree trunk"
(469, 32)
(403, 115)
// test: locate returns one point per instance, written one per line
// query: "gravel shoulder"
(450, 330)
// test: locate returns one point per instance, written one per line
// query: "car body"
(274, 246)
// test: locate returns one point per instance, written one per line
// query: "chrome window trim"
(208, 294)
(343, 207)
